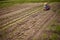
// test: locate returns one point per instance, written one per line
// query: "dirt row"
(16, 7)
(20, 17)
(12, 16)
(25, 31)
(26, 27)
(31, 9)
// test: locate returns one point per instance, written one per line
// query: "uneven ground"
(24, 21)
(52, 32)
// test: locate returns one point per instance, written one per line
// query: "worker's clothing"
(47, 7)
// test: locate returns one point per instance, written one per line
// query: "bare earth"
(24, 21)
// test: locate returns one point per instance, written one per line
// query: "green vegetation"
(7, 3)
(55, 30)
(53, 34)
(54, 37)
(4, 3)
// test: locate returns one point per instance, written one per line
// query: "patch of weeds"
(55, 29)
(34, 39)
(53, 33)
(45, 36)
(54, 36)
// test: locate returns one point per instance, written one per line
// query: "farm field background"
(26, 20)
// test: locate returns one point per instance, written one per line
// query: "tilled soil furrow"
(30, 28)
(32, 15)
(37, 36)
(18, 34)
(11, 14)
(23, 17)
(18, 15)
(29, 33)
(26, 21)
(7, 10)
(27, 25)
(23, 22)
(18, 11)
(39, 25)
(31, 37)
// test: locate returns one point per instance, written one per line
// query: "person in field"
(46, 6)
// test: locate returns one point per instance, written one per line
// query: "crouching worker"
(46, 6)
